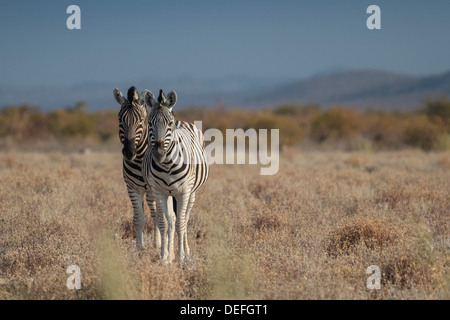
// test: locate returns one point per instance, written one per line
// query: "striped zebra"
(133, 133)
(175, 166)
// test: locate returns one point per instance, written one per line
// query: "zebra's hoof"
(140, 247)
(186, 262)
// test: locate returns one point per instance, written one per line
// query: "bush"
(71, 123)
(374, 233)
(106, 125)
(286, 110)
(336, 123)
(428, 128)
(438, 111)
(384, 129)
(23, 122)
(422, 133)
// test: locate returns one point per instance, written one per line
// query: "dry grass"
(309, 232)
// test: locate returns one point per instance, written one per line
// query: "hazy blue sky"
(126, 40)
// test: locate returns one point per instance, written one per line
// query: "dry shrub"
(127, 228)
(262, 192)
(427, 129)
(385, 243)
(129, 273)
(393, 195)
(438, 110)
(356, 160)
(159, 281)
(422, 133)
(373, 232)
(230, 274)
(266, 221)
(23, 123)
(309, 232)
(335, 123)
(270, 190)
(444, 160)
(384, 129)
(399, 267)
(290, 130)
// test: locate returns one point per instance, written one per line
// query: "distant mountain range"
(361, 89)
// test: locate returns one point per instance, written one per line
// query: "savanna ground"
(308, 232)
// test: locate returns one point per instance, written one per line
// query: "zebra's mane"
(132, 95)
(132, 101)
(161, 107)
(161, 97)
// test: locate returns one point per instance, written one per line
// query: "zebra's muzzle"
(158, 151)
(129, 151)
(159, 145)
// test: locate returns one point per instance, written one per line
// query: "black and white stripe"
(133, 133)
(175, 166)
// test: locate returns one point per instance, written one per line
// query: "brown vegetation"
(305, 125)
(309, 232)
(354, 189)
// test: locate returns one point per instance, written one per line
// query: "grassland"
(309, 232)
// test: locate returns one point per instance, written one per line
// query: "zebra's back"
(199, 159)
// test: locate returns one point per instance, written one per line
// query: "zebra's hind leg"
(185, 240)
(156, 234)
(137, 201)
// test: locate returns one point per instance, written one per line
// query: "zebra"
(133, 134)
(175, 166)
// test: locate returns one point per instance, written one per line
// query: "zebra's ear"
(142, 97)
(172, 99)
(118, 96)
(149, 98)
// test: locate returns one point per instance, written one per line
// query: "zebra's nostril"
(159, 144)
(127, 153)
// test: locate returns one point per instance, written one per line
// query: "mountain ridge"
(360, 89)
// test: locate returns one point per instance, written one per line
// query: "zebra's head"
(132, 120)
(161, 122)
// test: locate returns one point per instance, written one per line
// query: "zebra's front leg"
(166, 222)
(171, 218)
(182, 205)
(162, 226)
(156, 233)
(137, 201)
